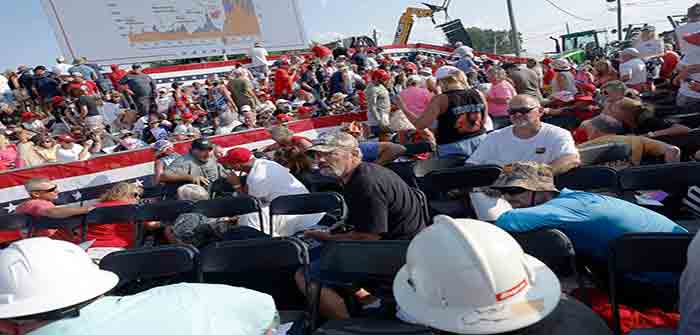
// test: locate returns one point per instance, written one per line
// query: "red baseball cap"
(380, 75)
(547, 61)
(65, 138)
(284, 118)
(26, 116)
(236, 156)
(187, 116)
(583, 98)
(411, 67)
(57, 100)
(304, 110)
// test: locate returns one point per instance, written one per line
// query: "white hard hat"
(471, 277)
(40, 275)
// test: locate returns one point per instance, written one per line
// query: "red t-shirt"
(283, 85)
(671, 60)
(548, 76)
(91, 87)
(115, 77)
(117, 235)
(37, 208)
(321, 51)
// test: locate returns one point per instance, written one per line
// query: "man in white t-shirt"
(462, 50)
(266, 181)
(689, 74)
(61, 68)
(258, 57)
(633, 70)
(71, 151)
(528, 139)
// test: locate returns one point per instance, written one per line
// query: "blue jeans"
(463, 148)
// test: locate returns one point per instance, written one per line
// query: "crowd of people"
(533, 120)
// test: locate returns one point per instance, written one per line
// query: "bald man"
(528, 139)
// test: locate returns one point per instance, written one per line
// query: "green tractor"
(578, 47)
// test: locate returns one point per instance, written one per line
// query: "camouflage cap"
(333, 141)
(531, 176)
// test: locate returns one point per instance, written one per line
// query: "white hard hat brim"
(85, 289)
(524, 309)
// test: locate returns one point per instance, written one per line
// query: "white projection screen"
(133, 31)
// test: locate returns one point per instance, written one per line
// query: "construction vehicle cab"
(579, 46)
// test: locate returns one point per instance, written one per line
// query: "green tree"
(486, 40)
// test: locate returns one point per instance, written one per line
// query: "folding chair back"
(605, 153)
(644, 252)
(367, 264)
(437, 183)
(227, 207)
(113, 214)
(221, 188)
(70, 224)
(550, 246)
(423, 168)
(670, 176)
(167, 210)
(310, 203)
(155, 191)
(145, 268)
(689, 143)
(375, 260)
(265, 265)
(331, 203)
(418, 148)
(10, 222)
(588, 178)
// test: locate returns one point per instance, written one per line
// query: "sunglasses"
(522, 111)
(53, 189)
(512, 190)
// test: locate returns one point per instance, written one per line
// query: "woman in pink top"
(500, 93)
(9, 159)
(415, 97)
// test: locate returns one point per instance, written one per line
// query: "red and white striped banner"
(87, 180)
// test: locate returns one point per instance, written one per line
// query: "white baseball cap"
(446, 71)
(471, 277)
(39, 275)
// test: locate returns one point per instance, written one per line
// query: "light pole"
(619, 18)
(513, 29)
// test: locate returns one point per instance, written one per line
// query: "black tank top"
(461, 121)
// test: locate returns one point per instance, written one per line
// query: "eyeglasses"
(523, 111)
(51, 190)
(512, 190)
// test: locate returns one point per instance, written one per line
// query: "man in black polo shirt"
(380, 205)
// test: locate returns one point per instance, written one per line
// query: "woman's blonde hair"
(122, 192)
(3, 140)
(498, 72)
(458, 78)
(280, 132)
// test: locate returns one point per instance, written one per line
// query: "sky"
(27, 37)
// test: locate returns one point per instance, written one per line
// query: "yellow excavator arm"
(406, 23)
